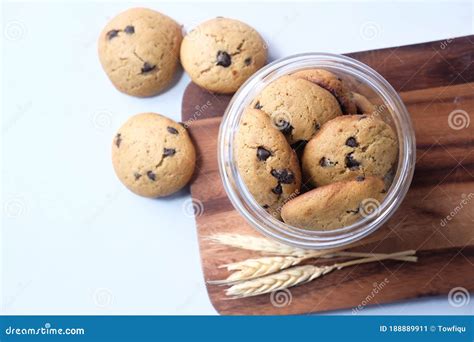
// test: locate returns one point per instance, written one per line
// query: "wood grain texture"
(433, 80)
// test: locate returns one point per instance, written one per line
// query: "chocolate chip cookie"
(350, 146)
(139, 51)
(221, 54)
(364, 106)
(335, 205)
(333, 84)
(266, 163)
(297, 107)
(152, 155)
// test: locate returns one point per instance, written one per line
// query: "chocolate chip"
(277, 190)
(352, 142)
(147, 67)
(112, 34)
(129, 29)
(258, 105)
(356, 211)
(151, 175)
(248, 60)
(118, 139)
(223, 59)
(172, 130)
(360, 178)
(265, 206)
(283, 176)
(351, 163)
(137, 175)
(362, 117)
(325, 162)
(299, 145)
(262, 153)
(317, 126)
(168, 152)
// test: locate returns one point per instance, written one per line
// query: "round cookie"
(139, 51)
(335, 205)
(152, 155)
(364, 106)
(297, 107)
(266, 163)
(350, 146)
(221, 54)
(333, 84)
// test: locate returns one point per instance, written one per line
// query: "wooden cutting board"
(434, 79)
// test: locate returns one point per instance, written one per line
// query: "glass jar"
(361, 79)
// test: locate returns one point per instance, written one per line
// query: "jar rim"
(247, 206)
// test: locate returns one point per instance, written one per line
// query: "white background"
(74, 240)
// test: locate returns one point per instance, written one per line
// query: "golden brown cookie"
(139, 51)
(297, 107)
(350, 146)
(266, 163)
(152, 155)
(333, 84)
(221, 54)
(364, 106)
(335, 205)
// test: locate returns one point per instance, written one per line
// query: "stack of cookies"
(139, 51)
(313, 153)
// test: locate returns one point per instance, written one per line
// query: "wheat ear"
(254, 268)
(296, 276)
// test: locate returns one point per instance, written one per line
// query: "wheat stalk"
(296, 276)
(257, 244)
(254, 268)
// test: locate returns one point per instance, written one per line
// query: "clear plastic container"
(361, 79)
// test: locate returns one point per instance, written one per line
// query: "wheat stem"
(256, 244)
(296, 276)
